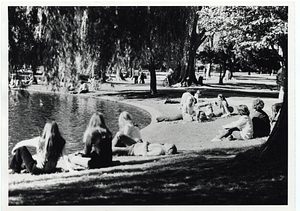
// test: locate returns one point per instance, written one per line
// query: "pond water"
(28, 113)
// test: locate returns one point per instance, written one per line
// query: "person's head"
(258, 104)
(199, 92)
(124, 119)
(243, 110)
(102, 137)
(275, 108)
(201, 116)
(97, 120)
(221, 97)
(51, 142)
(170, 149)
(191, 91)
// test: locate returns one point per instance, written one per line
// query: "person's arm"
(87, 146)
(30, 142)
(225, 106)
(235, 124)
(127, 129)
(66, 160)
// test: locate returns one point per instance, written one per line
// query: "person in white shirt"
(242, 129)
(50, 147)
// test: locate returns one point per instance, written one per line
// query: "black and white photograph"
(148, 106)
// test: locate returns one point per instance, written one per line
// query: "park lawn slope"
(212, 177)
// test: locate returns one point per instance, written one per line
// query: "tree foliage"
(242, 34)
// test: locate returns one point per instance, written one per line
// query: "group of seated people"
(194, 108)
(17, 83)
(99, 146)
(83, 88)
(248, 126)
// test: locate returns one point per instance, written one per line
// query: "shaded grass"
(183, 179)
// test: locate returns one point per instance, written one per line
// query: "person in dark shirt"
(260, 120)
(97, 150)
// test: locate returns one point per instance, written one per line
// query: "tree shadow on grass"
(184, 179)
(172, 93)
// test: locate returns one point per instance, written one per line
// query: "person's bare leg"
(120, 150)
(82, 161)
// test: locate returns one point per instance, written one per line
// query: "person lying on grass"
(128, 140)
(50, 147)
(146, 149)
(242, 129)
(97, 150)
(187, 114)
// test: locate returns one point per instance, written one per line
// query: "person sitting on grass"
(275, 108)
(260, 120)
(187, 114)
(84, 88)
(50, 147)
(185, 95)
(97, 150)
(197, 96)
(127, 129)
(242, 129)
(224, 110)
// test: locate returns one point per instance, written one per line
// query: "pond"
(28, 113)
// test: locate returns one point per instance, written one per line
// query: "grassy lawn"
(208, 178)
(202, 173)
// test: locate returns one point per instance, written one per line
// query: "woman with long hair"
(128, 133)
(50, 147)
(97, 150)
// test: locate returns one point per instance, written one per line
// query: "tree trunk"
(220, 77)
(195, 41)
(103, 75)
(208, 70)
(153, 88)
(276, 148)
(119, 76)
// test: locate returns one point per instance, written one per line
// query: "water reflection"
(28, 113)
